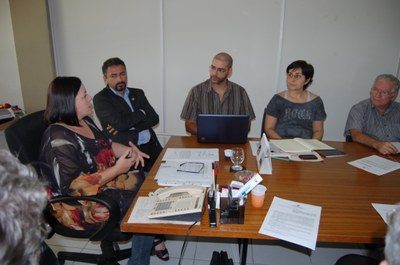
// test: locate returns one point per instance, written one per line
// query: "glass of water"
(237, 158)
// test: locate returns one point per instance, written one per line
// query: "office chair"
(263, 121)
(349, 138)
(24, 138)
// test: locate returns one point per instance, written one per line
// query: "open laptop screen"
(224, 129)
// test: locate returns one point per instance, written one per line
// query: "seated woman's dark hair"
(306, 68)
(61, 100)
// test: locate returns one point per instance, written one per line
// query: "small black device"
(211, 212)
(308, 157)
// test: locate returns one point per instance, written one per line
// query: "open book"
(299, 145)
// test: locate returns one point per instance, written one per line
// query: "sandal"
(163, 253)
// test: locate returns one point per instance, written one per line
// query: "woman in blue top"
(296, 112)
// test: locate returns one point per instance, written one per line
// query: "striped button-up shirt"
(202, 99)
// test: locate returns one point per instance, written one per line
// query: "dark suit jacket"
(113, 110)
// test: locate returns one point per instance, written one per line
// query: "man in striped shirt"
(216, 95)
(375, 122)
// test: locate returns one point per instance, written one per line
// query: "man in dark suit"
(125, 113)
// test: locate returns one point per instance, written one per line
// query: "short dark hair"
(306, 69)
(223, 56)
(61, 96)
(111, 62)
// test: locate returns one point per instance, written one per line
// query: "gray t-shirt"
(296, 119)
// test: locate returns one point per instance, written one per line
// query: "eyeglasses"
(381, 92)
(191, 167)
(295, 76)
(219, 70)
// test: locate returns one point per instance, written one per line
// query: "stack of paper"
(187, 166)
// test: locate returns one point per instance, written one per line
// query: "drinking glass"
(237, 158)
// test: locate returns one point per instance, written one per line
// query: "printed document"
(173, 173)
(376, 165)
(294, 222)
(192, 154)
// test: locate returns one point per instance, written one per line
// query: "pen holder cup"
(231, 210)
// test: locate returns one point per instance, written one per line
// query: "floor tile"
(201, 262)
(174, 245)
(279, 253)
(171, 261)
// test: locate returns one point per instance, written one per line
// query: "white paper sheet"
(169, 175)
(384, 210)
(293, 222)
(191, 154)
(376, 165)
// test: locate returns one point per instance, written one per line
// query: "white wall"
(10, 85)
(168, 46)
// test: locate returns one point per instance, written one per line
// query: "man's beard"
(120, 86)
(217, 80)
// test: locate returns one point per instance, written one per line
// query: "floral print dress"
(72, 165)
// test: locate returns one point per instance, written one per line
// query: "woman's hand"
(130, 156)
(125, 162)
(139, 155)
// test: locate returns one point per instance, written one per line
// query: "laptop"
(222, 129)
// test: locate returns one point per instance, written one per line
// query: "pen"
(215, 168)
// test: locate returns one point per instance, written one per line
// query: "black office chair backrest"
(349, 138)
(263, 121)
(24, 136)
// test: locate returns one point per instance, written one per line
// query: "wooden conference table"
(344, 192)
